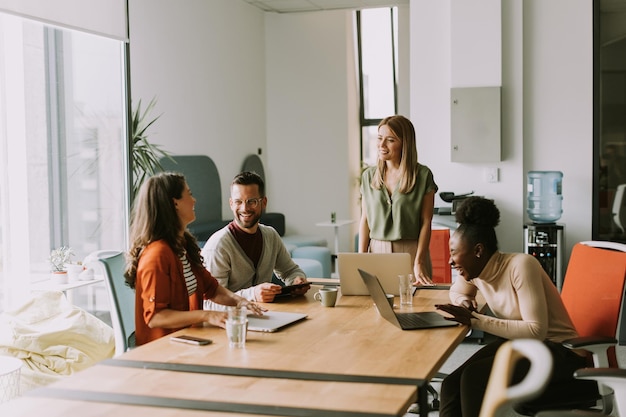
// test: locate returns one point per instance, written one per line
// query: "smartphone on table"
(191, 340)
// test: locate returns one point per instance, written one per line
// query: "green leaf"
(145, 155)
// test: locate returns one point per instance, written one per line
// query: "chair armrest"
(594, 373)
(583, 342)
(596, 345)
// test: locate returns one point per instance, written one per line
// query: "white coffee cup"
(390, 298)
(326, 296)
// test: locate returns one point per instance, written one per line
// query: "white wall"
(312, 119)
(231, 79)
(205, 63)
(558, 103)
(546, 107)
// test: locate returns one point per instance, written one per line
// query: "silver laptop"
(405, 321)
(272, 321)
(386, 266)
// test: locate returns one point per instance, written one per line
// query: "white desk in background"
(336, 224)
(67, 289)
(445, 220)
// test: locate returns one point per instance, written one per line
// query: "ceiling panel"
(296, 6)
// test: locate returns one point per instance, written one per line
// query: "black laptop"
(405, 321)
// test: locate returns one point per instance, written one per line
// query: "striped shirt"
(190, 278)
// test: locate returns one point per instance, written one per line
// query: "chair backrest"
(619, 208)
(204, 180)
(596, 272)
(121, 297)
(253, 163)
(593, 289)
(499, 393)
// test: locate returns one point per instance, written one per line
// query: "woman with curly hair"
(164, 264)
(524, 302)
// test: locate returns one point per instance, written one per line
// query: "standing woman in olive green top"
(398, 199)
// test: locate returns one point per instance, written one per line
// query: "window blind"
(102, 17)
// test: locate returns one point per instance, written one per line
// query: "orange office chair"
(593, 294)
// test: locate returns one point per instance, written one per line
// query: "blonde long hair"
(404, 130)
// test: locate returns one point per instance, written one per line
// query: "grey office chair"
(121, 297)
(204, 180)
(613, 378)
(619, 208)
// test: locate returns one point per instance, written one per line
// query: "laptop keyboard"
(411, 320)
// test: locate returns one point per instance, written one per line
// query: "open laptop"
(386, 266)
(405, 321)
(272, 321)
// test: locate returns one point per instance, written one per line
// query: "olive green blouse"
(397, 216)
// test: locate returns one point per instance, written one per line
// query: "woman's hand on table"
(216, 318)
(460, 314)
(252, 307)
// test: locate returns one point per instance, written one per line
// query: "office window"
(377, 34)
(62, 148)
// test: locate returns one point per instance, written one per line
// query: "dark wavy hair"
(154, 217)
(477, 218)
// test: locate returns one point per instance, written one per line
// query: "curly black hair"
(477, 218)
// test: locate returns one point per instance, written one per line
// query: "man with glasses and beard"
(244, 254)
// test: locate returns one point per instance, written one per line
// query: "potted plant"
(58, 259)
(145, 155)
(74, 269)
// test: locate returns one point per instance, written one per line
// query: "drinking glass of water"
(237, 326)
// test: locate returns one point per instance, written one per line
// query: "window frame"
(365, 122)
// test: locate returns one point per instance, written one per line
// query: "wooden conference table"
(340, 361)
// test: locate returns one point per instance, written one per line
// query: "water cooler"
(544, 241)
(543, 238)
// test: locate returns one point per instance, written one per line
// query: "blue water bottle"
(545, 196)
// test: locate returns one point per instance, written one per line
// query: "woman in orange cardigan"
(165, 265)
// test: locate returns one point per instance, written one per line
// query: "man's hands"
(301, 290)
(266, 292)
(460, 314)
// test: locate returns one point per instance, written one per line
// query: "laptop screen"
(386, 266)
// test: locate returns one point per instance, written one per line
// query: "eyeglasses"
(251, 202)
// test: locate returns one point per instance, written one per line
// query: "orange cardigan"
(160, 285)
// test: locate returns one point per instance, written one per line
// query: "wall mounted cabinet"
(475, 124)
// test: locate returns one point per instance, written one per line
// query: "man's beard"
(248, 223)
